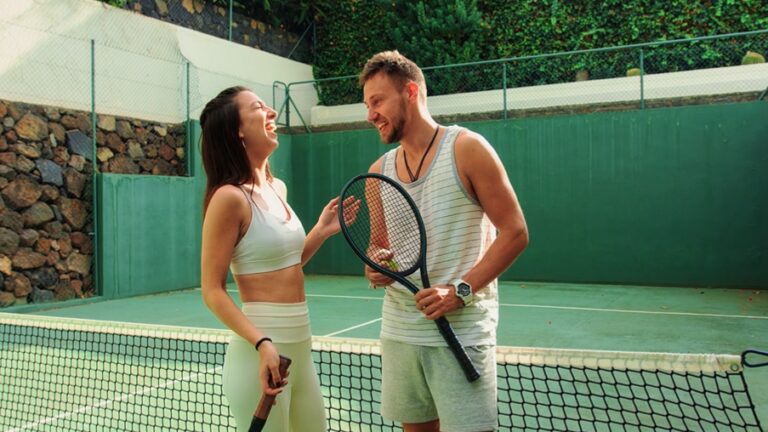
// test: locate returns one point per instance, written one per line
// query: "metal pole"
(188, 131)
(763, 94)
(287, 106)
(230, 19)
(504, 83)
(642, 80)
(93, 103)
(95, 267)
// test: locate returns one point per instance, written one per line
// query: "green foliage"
(440, 32)
(752, 58)
(530, 28)
(431, 33)
(347, 35)
(293, 15)
(116, 3)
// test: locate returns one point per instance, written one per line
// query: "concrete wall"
(139, 62)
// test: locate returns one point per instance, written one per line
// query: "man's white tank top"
(458, 235)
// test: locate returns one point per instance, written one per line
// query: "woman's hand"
(328, 222)
(269, 369)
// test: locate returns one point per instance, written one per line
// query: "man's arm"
(484, 177)
(375, 278)
(487, 181)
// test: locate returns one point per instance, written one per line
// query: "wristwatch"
(464, 292)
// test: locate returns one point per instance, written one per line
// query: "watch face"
(463, 289)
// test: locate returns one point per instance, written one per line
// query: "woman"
(249, 227)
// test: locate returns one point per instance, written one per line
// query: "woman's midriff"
(279, 286)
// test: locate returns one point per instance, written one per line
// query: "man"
(476, 229)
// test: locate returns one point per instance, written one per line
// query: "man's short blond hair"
(396, 66)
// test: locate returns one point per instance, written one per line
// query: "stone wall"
(46, 192)
(212, 19)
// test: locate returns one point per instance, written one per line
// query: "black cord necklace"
(418, 170)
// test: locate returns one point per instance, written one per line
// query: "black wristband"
(262, 340)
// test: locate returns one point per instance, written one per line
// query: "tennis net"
(66, 374)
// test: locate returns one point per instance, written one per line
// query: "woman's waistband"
(282, 322)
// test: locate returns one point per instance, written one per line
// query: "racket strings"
(386, 227)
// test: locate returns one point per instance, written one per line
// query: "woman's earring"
(242, 142)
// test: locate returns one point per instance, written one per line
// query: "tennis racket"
(388, 220)
(266, 402)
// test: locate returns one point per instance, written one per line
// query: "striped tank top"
(458, 235)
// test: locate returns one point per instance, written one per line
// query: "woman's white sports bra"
(270, 243)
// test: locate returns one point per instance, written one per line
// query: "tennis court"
(146, 381)
(642, 182)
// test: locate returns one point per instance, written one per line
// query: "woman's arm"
(327, 224)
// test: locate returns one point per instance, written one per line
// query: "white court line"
(352, 328)
(342, 297)
(346, 297)
(109, 402)
(330, 296)
(633, 311)
(575, 308)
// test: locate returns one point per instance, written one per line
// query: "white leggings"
(300, 405)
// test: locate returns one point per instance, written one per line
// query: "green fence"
(671, 196)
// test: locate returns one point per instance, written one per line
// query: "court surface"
(569, 316)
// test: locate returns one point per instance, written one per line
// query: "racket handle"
(458, 350)
(266, 402)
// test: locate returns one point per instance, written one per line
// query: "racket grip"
(266, 402)
(458, 350)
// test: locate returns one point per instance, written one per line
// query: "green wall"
(149, 234)
(150, 226)
(673, 196)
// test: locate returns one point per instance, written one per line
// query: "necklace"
(418, 170)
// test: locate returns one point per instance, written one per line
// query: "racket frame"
(442, 323)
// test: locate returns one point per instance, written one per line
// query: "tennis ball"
(752, 58)
(633, 72)
(391, 264)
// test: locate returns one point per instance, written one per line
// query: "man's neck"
(418, 135)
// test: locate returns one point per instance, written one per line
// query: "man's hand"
(384, 258)
(434, 302)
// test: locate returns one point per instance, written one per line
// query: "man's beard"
(397, 127)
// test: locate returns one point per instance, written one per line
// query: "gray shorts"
(421, 384)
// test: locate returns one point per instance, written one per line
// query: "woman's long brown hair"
(224, 158)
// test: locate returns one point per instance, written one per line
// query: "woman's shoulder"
(228, 197)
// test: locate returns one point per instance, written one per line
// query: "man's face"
(387, 107)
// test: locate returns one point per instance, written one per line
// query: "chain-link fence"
(146, 79)
(679, 72)
(73, 107)
(39, 67)
(274, 29)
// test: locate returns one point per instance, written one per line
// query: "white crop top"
(271, 242)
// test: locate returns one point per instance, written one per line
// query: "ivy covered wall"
(436, 32)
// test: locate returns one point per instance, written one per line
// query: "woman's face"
(257, 123)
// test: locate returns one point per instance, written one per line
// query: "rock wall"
(209, 18)
(46, 192)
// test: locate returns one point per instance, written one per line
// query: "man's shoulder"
(378, 165)
(469, 140)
